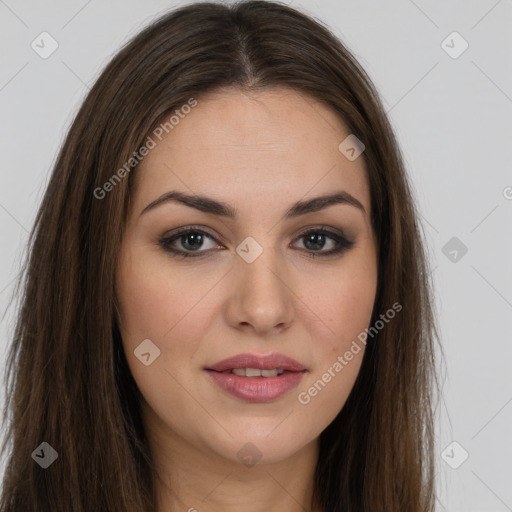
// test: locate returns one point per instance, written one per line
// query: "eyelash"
(164, 242)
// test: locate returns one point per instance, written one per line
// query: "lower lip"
(257, 389)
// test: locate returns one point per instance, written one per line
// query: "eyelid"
(176, 233)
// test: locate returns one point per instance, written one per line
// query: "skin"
(260, 153)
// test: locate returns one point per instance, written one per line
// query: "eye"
(316, 238)
(191, 239)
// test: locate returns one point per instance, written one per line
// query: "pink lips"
(269, 362)
(257, 389)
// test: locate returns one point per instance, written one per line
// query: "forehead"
(277, 144)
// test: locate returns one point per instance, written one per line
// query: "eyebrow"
(219, 208)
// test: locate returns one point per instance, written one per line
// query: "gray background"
(452, 117)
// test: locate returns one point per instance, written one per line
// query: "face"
(257, 282)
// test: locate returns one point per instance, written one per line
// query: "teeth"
(270, 373)
(256, 372)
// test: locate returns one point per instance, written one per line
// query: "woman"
(227, 303)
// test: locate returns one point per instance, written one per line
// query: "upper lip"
(278, 361)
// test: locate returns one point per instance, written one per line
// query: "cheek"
(166, 308)
(340, 303)
(153, 302)
(154, 306)
(342, 307)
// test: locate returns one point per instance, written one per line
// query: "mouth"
(254, 372)
(251, 364)
(256, 378)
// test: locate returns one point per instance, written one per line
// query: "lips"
(248, 385)
(261, 362)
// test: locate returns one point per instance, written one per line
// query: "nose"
(262, 297)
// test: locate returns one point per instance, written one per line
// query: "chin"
(260, 446)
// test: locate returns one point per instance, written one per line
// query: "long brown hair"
(68, 382)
